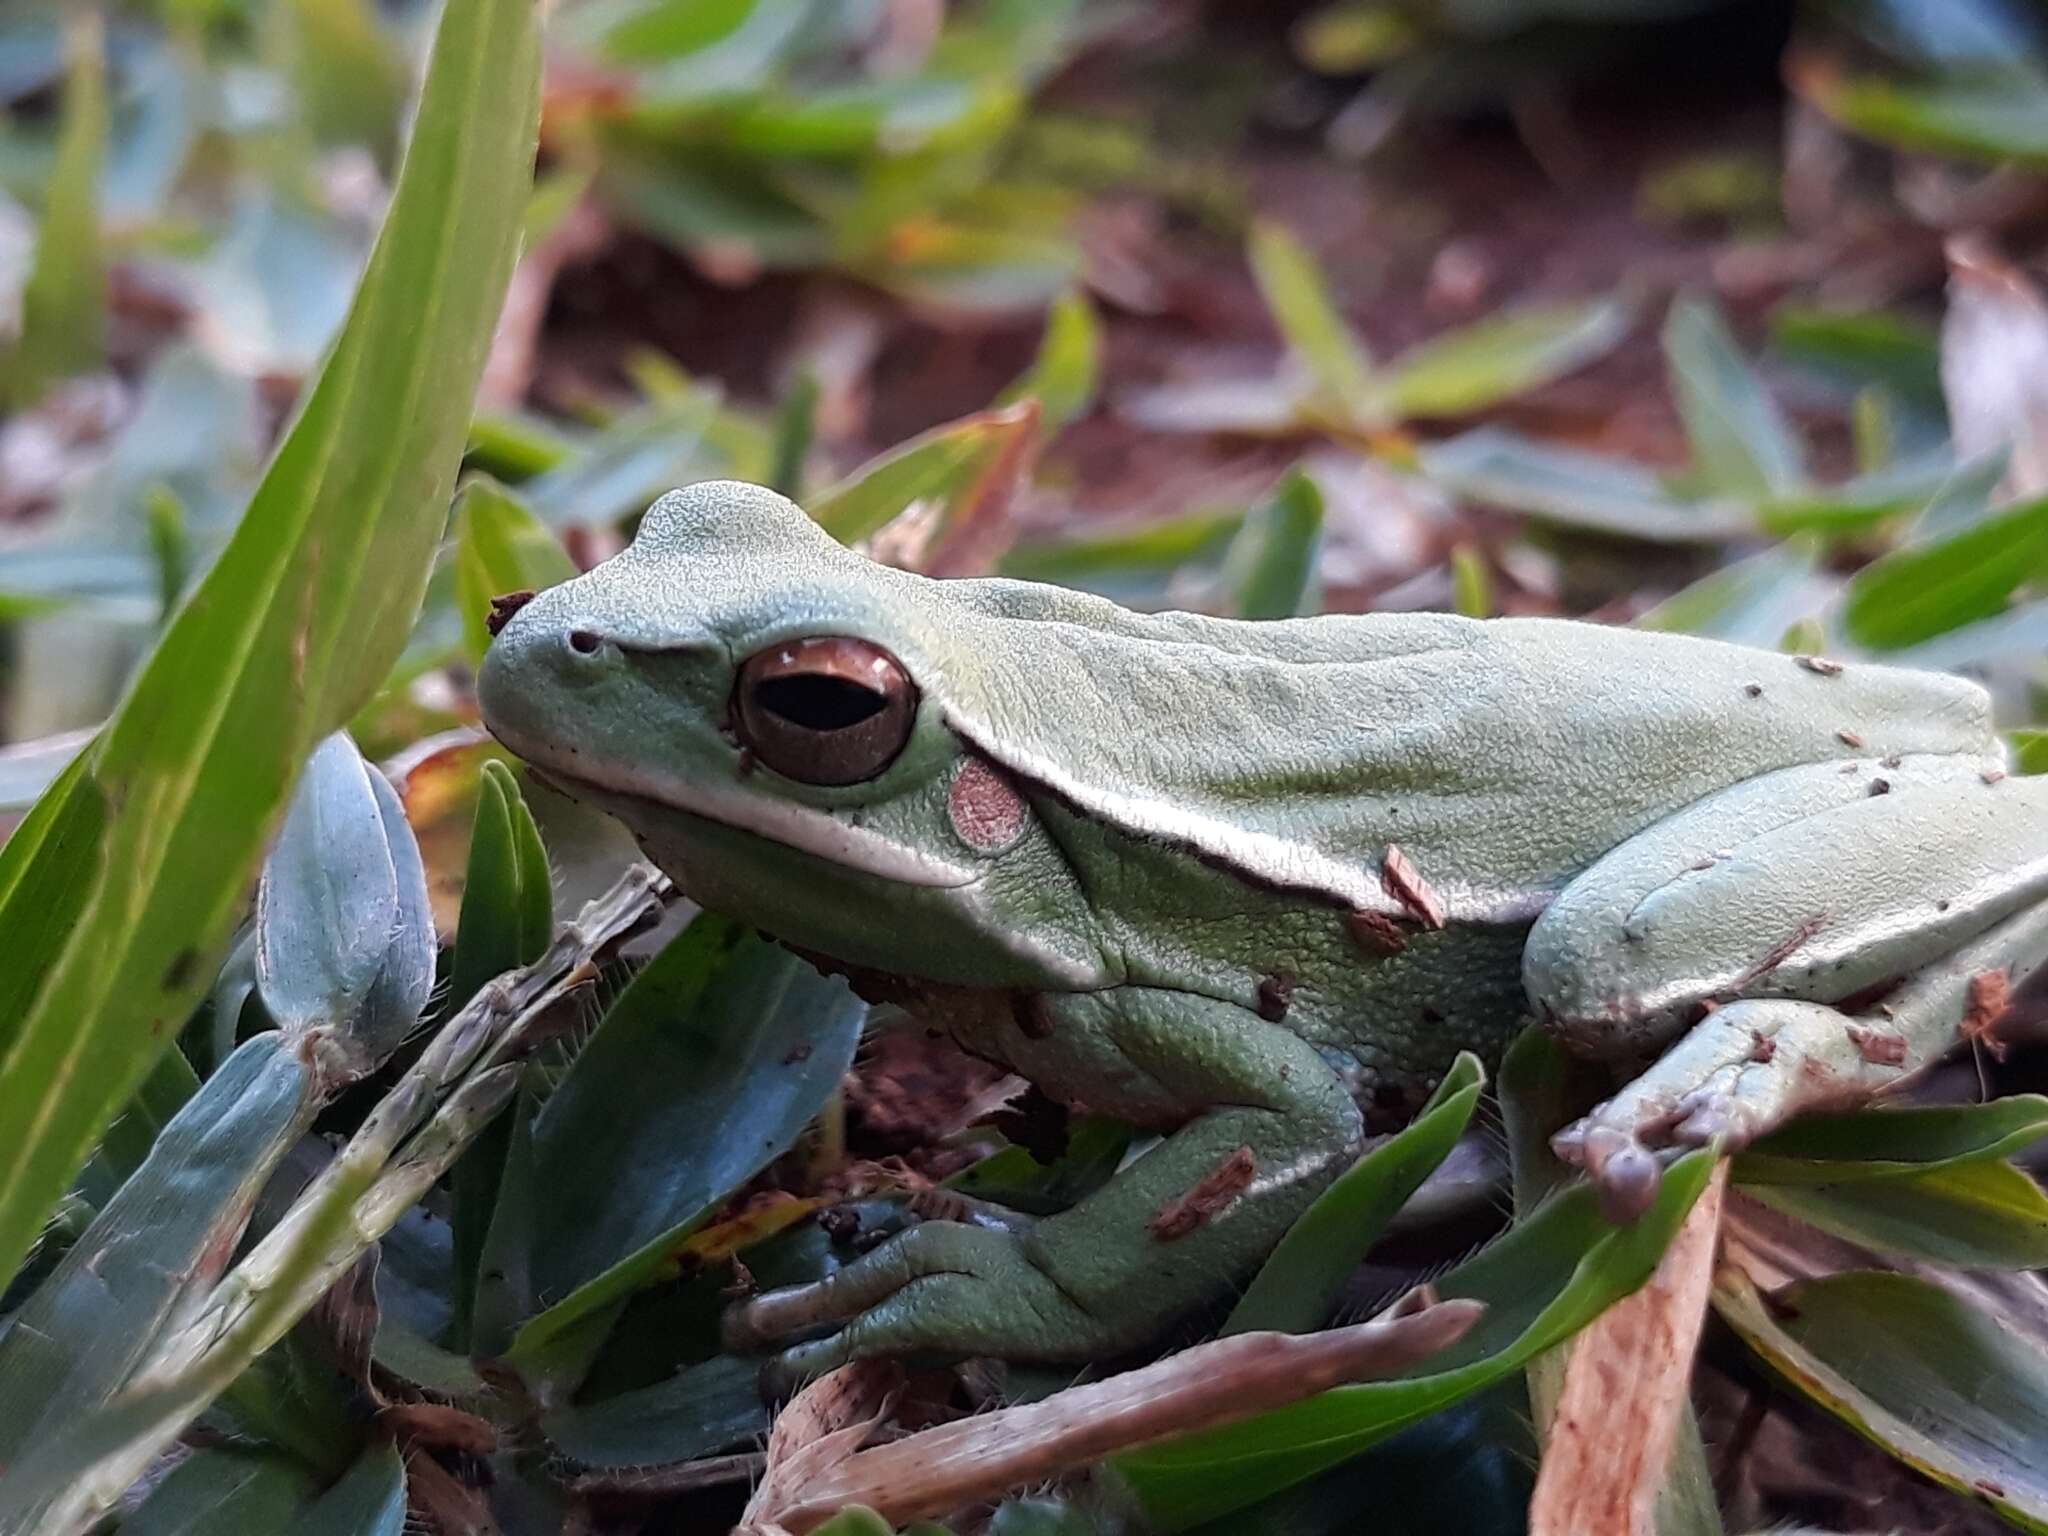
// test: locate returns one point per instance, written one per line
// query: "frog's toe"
(1624, 1169)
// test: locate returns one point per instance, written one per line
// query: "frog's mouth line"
(793, 826)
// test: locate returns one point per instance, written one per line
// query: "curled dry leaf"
(1626, 1380)
(816, 1465)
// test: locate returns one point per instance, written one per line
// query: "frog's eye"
(826, 710)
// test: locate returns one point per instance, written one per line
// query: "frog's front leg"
(1265, 1125)
(1812, 937)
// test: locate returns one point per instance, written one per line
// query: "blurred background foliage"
(1713, 317)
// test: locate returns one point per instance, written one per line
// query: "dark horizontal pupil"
(817, 702)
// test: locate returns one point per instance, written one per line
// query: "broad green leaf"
(966, 466)
(854, 1520)
(1922, 590)
(507, 917)
(1741, 445)
(1487, 362)
(1271, 568)
(1471, 582)
(1973, 1215)
(118, 910)
(508, 898)
(1064, 375)
(1879, 346)
(1544, 1280)
(706, 1068)
(1294, 1289)
(500, 547)
(367, 1500)
(344, 938)
(170, 1228)
(2021, 631)
(796, 422)
(1885, 1142)
(617, 472)
(64, 300)
(700, 1410)
(1013, 1177)
(223, 1493)
(1929, 485)
(1128, 561)
(1575, 489)
(347, 80)
(1749, 601)
(2001, 118)
(2030, 751)
(1942, 1385)
(1294, 289)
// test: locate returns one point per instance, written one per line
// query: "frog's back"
(1502, 756)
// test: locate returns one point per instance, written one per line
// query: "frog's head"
(733, 663)
(750, 698)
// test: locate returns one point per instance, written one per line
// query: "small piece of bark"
(1405, 884)
(1375, 932)
(1177, 1218)
(1989, 995)
(1878, 1047)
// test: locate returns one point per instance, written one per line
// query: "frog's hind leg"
(1823, 942)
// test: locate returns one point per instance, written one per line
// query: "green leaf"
(1741, 444)
(1013, 1177)
(1944, 1386)
(2000, 118)
(172, 1226)
(1271, 567)
(367, 1500)
(345, 939)
(967, 466)
(1973, 1215)
(508, 898)
(1544, 1280)
(1879, 346)
(854, 1520)
(1750, 601)
(1482, 364)
(507, 917)
(1922, 590)
(796, 421)
(1890, 1141)
(223, 1493)
(1471, 582)
(1294, 289)
(1140, 558)
(699, 1410)
(500, 547)
(1294, 1289)
(117, 911)
(627, 465)
(704, 1071)
(1575, 489)
(1064, 375)
(347, 80)
(64, 300)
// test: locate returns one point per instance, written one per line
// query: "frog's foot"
(1751, 1065)
(943, 1287)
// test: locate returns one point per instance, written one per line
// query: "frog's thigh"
(1811, 883)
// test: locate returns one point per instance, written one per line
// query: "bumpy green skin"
(1196, 921)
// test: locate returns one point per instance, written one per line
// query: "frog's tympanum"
(1253, 885)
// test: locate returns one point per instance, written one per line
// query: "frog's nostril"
(585, 642)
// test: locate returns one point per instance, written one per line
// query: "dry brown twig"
(817, 1463)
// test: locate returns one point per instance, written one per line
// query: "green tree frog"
(1253, 885)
